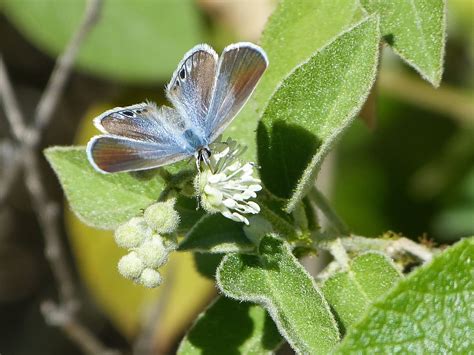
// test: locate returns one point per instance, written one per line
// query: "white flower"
(226, 186)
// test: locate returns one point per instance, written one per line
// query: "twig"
(11, 165)
(62, 69)
(10, 105)
(58, 317)
(18, 126)
(46, 210)
(47, 213)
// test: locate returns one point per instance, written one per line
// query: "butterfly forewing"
(240, 67)
(191, 86)
(111, 154)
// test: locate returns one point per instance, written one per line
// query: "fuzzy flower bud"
(150, 278)
(226, 186)
(131, 266)
(153, 252)
(162, 217)
(132, 233)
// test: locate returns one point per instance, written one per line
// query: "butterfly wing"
(240, 67)
(137, 137)
(190, 89)
(110, 154)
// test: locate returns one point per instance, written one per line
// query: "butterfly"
(206, 92)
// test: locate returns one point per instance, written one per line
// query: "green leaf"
(216, 234)
(312, 107)
(430, 311)
(351, 292)
(101, 200)
(189, 213)
(277, 281)
(295, 30)
(416, 30)
(231, 327)
(134, 41)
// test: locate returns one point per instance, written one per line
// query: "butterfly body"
(206, 93)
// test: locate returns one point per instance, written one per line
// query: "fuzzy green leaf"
(231, 327)
(312, 107)
(188, 212)
(351, 292)
(430, 311)
(133, 41)
(416, 30)
(216, 234)
(101, 200)
(295, 30)
(277, 281)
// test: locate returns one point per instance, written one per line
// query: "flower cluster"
(148, 247)
(226, 186)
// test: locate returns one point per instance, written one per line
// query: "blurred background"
(406, 166)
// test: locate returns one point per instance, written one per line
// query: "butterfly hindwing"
(240, 68)
(138, 137)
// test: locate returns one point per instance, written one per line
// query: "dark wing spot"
(128, 113)
(182, 73)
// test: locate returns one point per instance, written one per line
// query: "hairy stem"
(324, 206)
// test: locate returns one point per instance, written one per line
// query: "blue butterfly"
(206, 92)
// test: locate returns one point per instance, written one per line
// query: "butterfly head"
(203, 155)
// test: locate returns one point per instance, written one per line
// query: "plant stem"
(281, 225)
(323, 204)
(392, 247)
(339, 253)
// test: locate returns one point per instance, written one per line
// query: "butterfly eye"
(182, 74)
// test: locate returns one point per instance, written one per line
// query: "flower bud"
(153, 252)
(132, 233)
(162, 217)
(131, 266)
(150, 278)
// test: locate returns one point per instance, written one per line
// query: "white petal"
(254, 206)
(229, 203)
(215, 178)
(240, 218)
(254, 187)
(234, 166)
